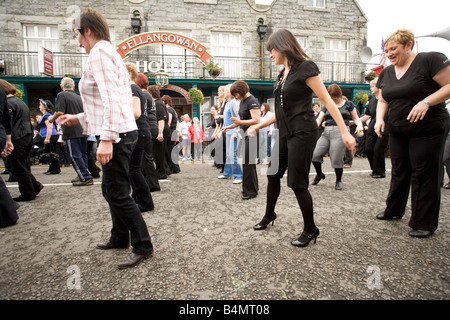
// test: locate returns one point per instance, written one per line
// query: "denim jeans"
(116, 187)
(232, 166)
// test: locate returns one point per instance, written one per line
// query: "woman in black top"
(141, 190)
(413, 89)
(375, 147)
(298, 129)
(8, 212)
(22, 138)
(330, 141)
(249, 114)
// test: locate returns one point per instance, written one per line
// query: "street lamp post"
(162, 78)
(262, 30)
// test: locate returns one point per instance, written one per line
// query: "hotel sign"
(170, 38)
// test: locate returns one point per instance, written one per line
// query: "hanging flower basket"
(213, 69)
(196, 95)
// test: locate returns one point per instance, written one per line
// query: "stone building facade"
(333, 32)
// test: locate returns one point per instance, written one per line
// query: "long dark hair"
(285, 42)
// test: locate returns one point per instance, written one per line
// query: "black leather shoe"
(318, 178)
(133, 259)
(248, 197)
(265, 222)
(382, 216)
(306, 238)
(338, 185)
(420, 233)
(109, 245)
(21, 198)
(39, 188)
(377, 176)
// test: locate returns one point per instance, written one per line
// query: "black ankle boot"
(265, 222)
(318, 178)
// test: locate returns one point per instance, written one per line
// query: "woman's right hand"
(251, 131)
(379, 127)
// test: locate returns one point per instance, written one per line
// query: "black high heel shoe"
(265, 222)
(306, 238)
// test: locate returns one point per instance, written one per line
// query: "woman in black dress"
(413, 90)
(296, 122)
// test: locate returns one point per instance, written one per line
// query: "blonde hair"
(401, 36)
(132, 69)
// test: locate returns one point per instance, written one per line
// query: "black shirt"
(371, 110)
(173, 124)
(345, 111)
(21, 123)
(295, 112)
(151, 110)
(5, 119)
(141, 122)
(244, 109)
(162, 114)
(415, 85)
(68, 102)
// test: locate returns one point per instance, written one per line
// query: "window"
(303, 41)
(316, 3)
(176, 60)
(36, 36)
(337, 51)
(226, 48)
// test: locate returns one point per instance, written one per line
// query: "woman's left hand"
(235, 120)
(349, 141)
(418, 112)
(359, 131)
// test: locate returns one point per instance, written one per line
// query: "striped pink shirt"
(105, 89)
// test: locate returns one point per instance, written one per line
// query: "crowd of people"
(139, 139)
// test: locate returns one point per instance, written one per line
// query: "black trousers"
(8, 213)
(159, 156)
(21, 166)
(148, 167)
(249, 174)
(141, 190)
(53, 147)
(116, 187)
(375, 149)
(416, 156)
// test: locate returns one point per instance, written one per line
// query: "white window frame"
(231, 67)
(31, 63)
(303, 41)
(175, 66)
(317, 4)
(337, 51)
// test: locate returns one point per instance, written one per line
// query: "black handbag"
(48, 157)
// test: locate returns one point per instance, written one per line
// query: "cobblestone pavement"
(206, 248)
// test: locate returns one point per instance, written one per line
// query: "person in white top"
(105, 88)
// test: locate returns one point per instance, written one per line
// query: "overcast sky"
(423, 17)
